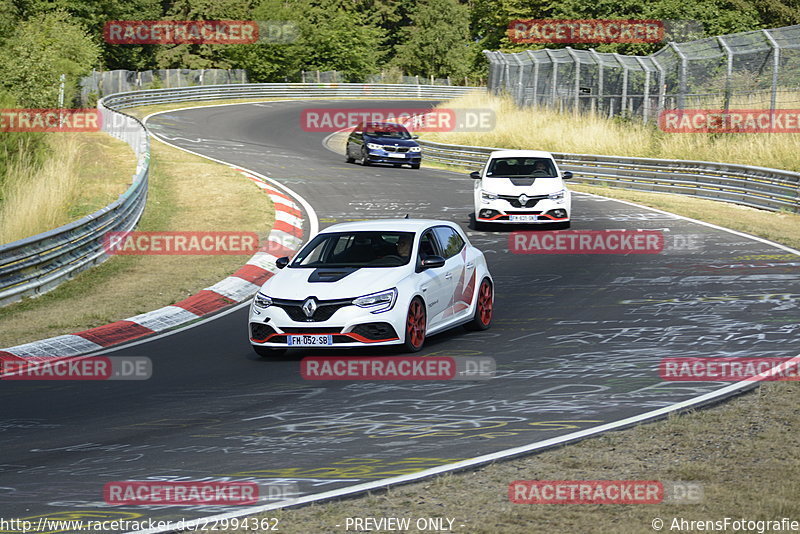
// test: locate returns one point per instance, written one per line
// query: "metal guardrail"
(285, 90)
(757, 187)
(37, 264)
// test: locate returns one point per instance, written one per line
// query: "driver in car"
(404, 246)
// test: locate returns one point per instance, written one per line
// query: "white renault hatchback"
(380, 282)
(521, 186)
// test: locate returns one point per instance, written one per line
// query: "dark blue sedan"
(383, 142)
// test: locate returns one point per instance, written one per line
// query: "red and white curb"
(284, 239)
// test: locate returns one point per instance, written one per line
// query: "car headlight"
(415, 149)
(558, 195)
(486, 195)
(378, 302)
(374, 146)
(262, 301)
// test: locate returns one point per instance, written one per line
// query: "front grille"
(260, 330)
(375, 331)
(312, 330)
(325, 309)
(402, 149)
(514, 201)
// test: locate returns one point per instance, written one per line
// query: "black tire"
(412, 341)
(267, 352)
(482, 318)
(364, 157)
(350, 160)
(415, 165)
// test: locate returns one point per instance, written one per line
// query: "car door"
(354, 143)
(459, 273)
(435, 286)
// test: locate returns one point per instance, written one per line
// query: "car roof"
(520, 153)
(383, 124)
(396, 225)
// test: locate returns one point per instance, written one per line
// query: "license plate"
(522, 218)
(393, 155)
(311, 340)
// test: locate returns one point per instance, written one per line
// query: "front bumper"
(543, 212)
(349, 326)
(382, 156)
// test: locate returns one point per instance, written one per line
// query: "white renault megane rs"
(521, 186)
(381, 282)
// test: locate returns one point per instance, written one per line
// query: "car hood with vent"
(332, 283)
(517, 186)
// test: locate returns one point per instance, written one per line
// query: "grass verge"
(186, 193)
(84, 172)
(543, 129)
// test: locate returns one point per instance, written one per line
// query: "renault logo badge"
(309, 307)
(523, 199)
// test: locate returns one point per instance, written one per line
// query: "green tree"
(276, 56)
(201, 56)
(438, 40)
(335, 36)
(39, 51)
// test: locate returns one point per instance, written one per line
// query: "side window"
(449, 240)
(427, 245)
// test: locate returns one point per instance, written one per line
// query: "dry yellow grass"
(542, 129)
(85, 172)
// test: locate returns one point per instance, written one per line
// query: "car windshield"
(357, 249)
(521, 168)
(390, 131)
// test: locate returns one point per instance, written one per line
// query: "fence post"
(599, 61)
(576, 61)
(776, 65)
(728, 73)
(535, 76)
(684, 73)
(520, 82)
(646, 98)
(555, 78)
(624, 100)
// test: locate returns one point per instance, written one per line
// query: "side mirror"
(566, 175)
(414, 137)
(475, 175)
(282, 262)
(433, 262)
